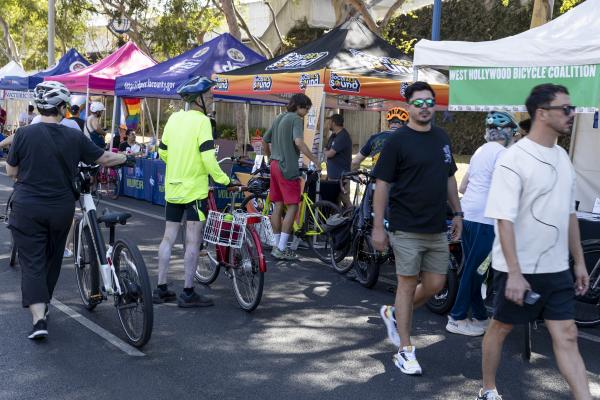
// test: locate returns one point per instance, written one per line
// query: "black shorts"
(174, 212)
(557, 298)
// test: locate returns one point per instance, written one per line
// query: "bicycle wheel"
(316, 234)
(340, 259)
(443, 301)
(366, 260)
(86, 264)
(587, 307)
(134, 305)
(248, 280)
(528, 342)
(113, 183)
(208, 267)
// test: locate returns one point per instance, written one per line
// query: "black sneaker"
(194, 300)
(160, 296)
(39, 331)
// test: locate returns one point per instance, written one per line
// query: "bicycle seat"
(114, 218)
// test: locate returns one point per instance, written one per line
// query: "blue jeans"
(477, 242)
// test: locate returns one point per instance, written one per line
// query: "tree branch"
(262, 48)
(275, 25)
(390, 13)
(10, 49)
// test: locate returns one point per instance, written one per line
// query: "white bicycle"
(118, 271)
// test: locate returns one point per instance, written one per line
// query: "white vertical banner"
(315, 93)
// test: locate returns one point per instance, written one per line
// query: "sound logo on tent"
(344, 83)
(296, 61)
(236, 55)
(76, 66)
(201, 52)
(222, 84)
(262, 83)
(309, 79)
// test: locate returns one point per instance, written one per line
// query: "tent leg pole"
(157, 119)
(114, 119)
(321, 139)
(87, 102)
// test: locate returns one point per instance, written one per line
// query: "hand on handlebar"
(129, 161)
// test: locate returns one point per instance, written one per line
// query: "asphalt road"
(315, 335)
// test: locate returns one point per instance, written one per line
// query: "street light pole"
(51, 15)
(437, 19)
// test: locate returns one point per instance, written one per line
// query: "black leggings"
(40, 234)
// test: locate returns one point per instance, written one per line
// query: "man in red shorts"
(283, 143)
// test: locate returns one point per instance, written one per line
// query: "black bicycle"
(587, 306)
(12, 261)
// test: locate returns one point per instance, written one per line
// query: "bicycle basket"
(228, 229)
(340, 227)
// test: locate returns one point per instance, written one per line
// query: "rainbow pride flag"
(133, 108)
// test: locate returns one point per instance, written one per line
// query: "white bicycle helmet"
(51, 94)
(96, 106)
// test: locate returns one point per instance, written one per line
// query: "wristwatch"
(459, 214)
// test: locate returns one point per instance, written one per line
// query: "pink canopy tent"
(99, 78)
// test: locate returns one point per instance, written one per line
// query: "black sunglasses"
(566, 109)
(419, 103)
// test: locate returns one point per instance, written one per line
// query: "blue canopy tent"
(223, 53)
(71, 61)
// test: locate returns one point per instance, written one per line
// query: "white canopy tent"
(571, 39)
(20, 100)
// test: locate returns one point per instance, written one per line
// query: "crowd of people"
(518, 203)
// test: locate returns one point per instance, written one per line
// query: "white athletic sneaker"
(406, 360)
(387, 314)
(67, 253)
(488, 395)
(463, 327)
(480, 323)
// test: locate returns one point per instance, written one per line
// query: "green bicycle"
(310, 223)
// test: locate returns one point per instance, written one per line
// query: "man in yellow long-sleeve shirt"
(188, 150)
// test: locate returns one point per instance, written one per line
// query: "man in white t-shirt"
(532, 201)
(478, 231)
(69, 123)
(25, 118)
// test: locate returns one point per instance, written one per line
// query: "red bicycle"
(231, 242)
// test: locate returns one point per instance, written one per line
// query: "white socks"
(276, 236)
(283, 239)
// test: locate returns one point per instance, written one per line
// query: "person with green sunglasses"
(415, 175)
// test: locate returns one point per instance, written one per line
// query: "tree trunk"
(361, 7)
(241, 116)
(542, 12)
(10, 46)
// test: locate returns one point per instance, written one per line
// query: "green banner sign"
(506, 88)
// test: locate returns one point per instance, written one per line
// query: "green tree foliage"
(183, 25)
(487, 20)
(27, 24)
(300, 35)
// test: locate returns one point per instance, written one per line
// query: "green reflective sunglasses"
(419, 103)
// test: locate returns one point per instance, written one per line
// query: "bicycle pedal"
(96, 298)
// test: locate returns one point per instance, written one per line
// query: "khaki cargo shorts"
(417, 252)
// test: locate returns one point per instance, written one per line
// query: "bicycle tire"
(341, 260)
(587, 307)
(245, 261)
(443, 301)
(366, 260)
(528, 341)
(208, 266)
(318, 242)
(132, 273)
(86, 264)
(114, 184)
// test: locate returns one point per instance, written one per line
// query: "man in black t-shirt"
(75, 110)
(415, 171)
(339, 153)
(43, 202)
